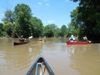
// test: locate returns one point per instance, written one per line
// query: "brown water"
(63, 59)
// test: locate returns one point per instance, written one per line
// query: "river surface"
(63, 59)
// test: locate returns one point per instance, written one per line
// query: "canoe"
(77, 43)
(36, 70)
(20, 43)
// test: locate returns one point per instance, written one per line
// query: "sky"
(49, 11)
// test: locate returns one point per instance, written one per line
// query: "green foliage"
(74, 17)
(63, 31)
(50, 30)
(88, 18)
(8, 21)
(58, 32)
(36, 27)
(8, 28)
(9, 16)
(22, 22)
(1, 29)
(73, 27)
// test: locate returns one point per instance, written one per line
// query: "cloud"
(40, 3)
(47, 4)
(44, 2)
(50, 21)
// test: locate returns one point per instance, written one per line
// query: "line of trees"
(85, 20)
(21, 22)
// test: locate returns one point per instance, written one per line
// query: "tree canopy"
(21, 22)
(74, 27)
(51, 30)
(9, 16)
(36, 27)
(23, 17)
(63, 31)
(88, 18)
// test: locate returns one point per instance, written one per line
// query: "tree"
(57, 32)
(63, 31)
(89, 18)
(73, 27)
(50, 30)
(36, 27)
(8, 28)
(9, 16)
(8, 21)
(1, 29)
(22, 22)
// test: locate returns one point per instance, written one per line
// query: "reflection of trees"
(78, 49)
(86, 59)
(19, 58)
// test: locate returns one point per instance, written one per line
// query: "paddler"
(72, 38)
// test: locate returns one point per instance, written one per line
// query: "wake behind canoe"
(39, 66)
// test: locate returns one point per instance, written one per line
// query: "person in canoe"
(72, 38)
(86, 39)
(21, 39)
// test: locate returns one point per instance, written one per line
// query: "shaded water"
(63, 59)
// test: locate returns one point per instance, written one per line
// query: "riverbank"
(5, 38)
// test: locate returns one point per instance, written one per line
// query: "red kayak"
(77, 43)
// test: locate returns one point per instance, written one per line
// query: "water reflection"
(65, 60)
(58, 57)
(17, 59)
(85, 59)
